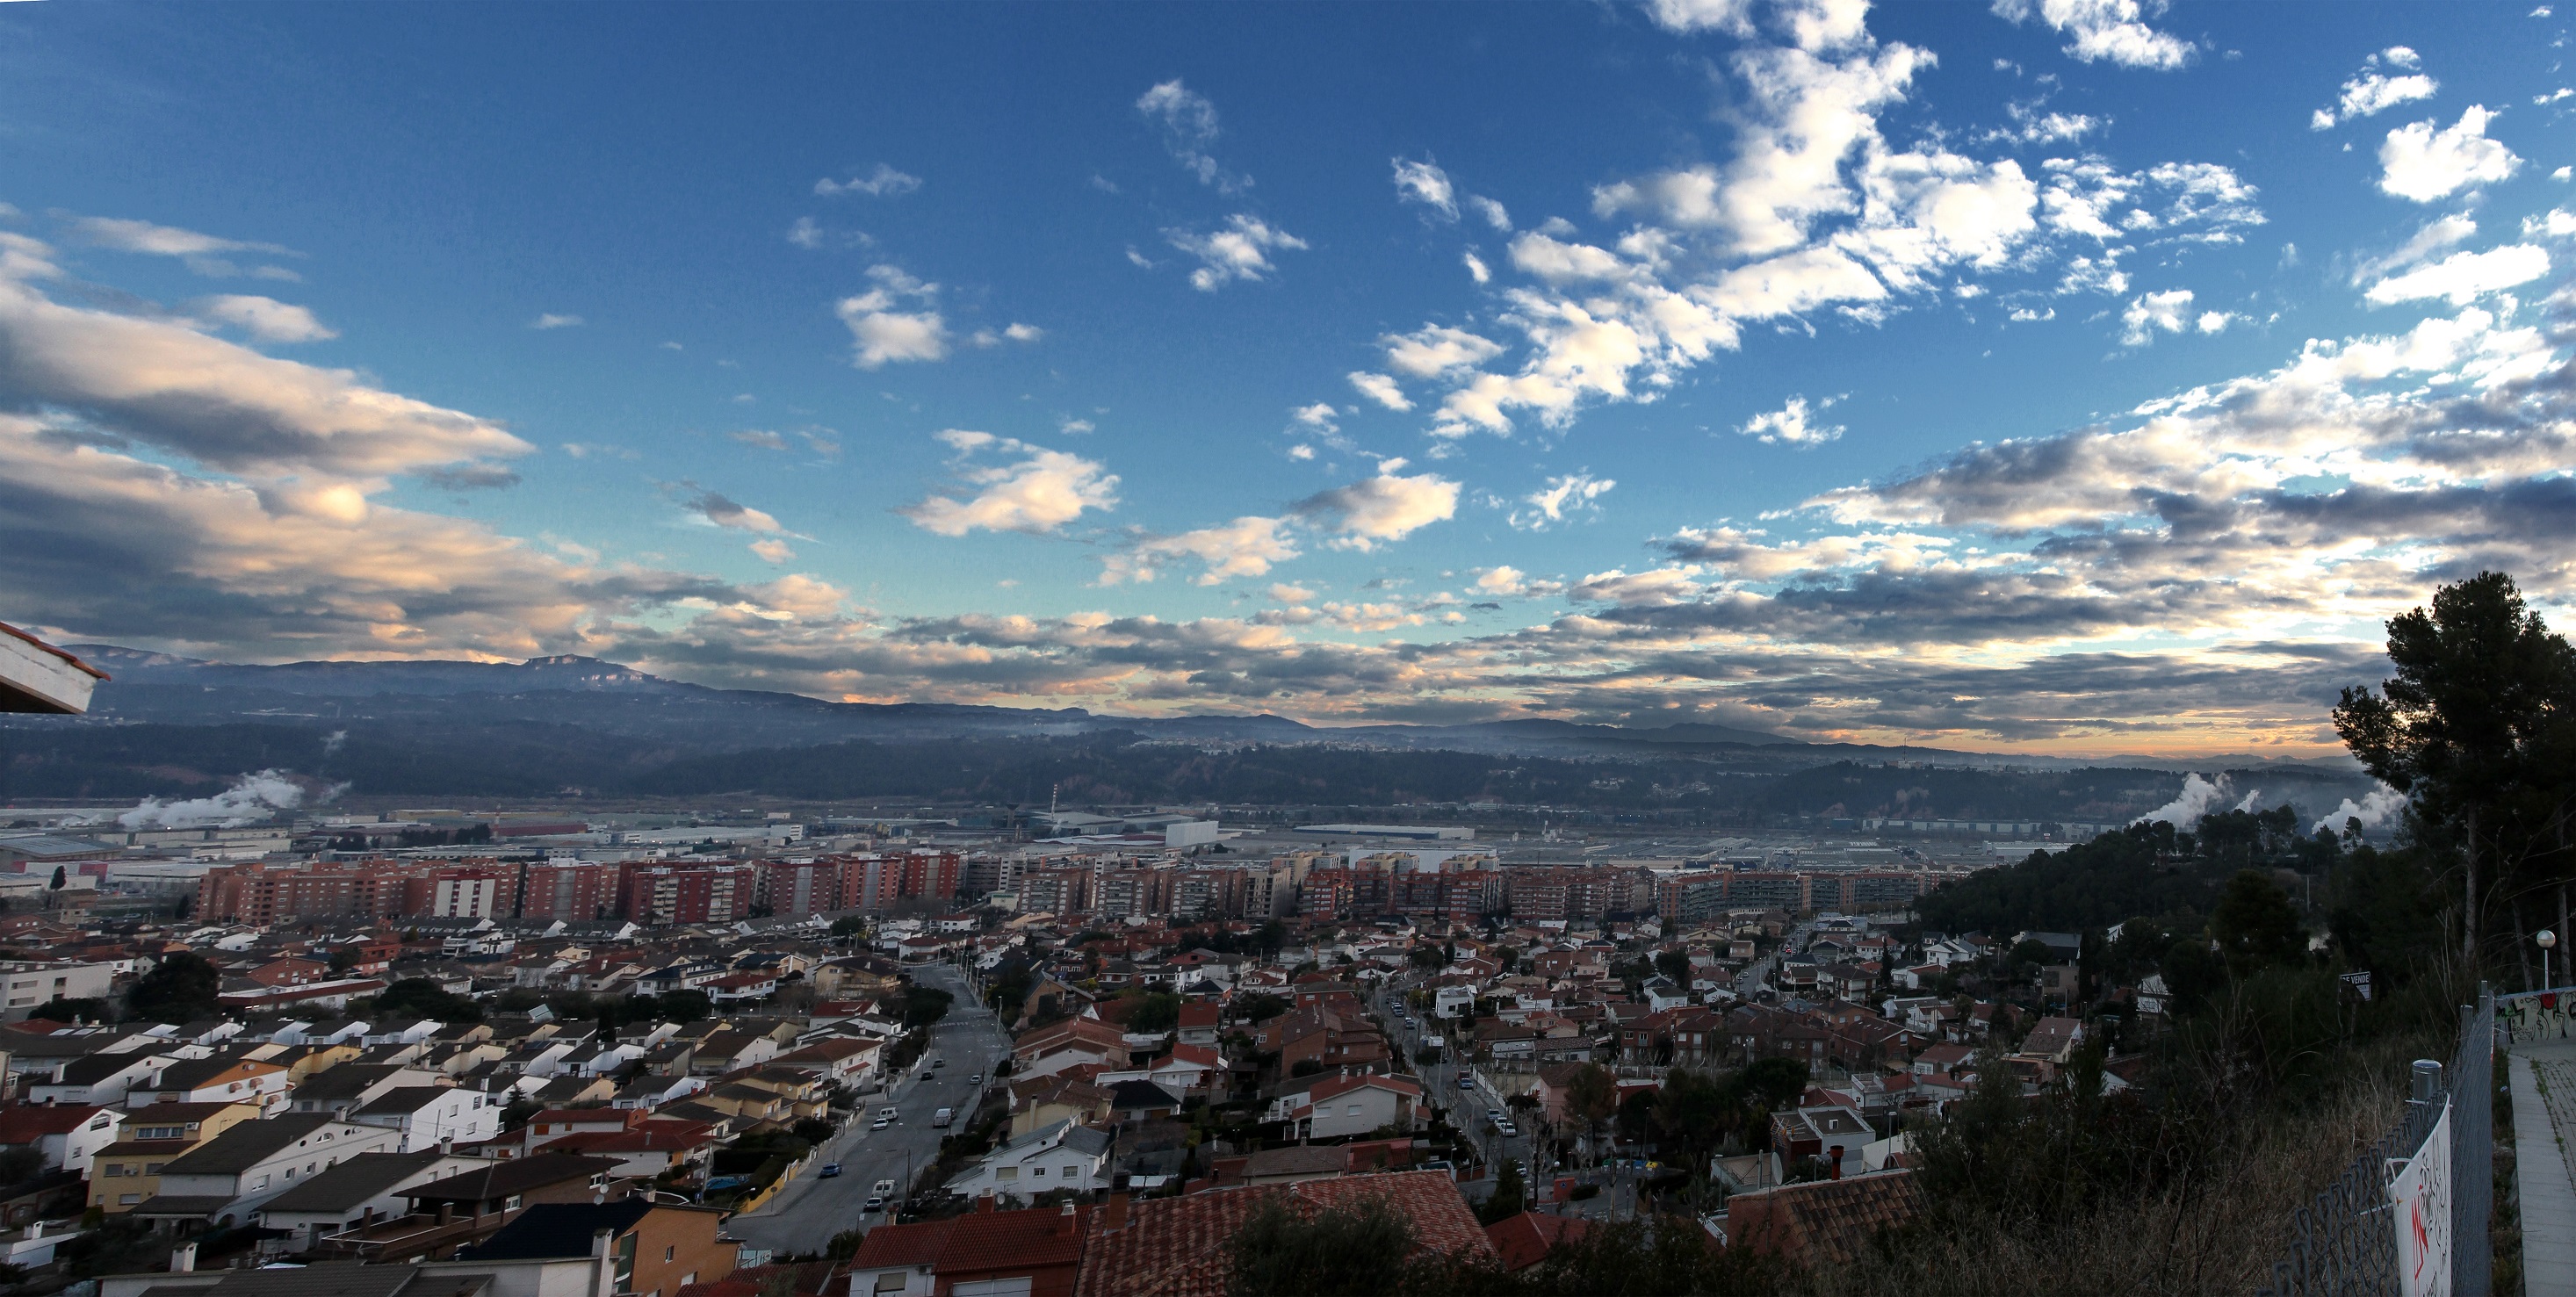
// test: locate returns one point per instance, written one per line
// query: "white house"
(242, 1168)
(99, 1078)
(428, 1115)
(1450, 1001)
(1059, 1156)
(1350, 1105)
(66, 1135)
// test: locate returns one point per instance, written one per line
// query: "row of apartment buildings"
(573, 890)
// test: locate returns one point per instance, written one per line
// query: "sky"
(2073, 376)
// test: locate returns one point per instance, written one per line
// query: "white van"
(941, 1118)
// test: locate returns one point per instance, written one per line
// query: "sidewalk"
(2544, 1137)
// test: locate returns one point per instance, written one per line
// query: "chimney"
(446, 1212)
(183, 1258)
(1067, 1221)
(1115, 1217)
(984, 1201)
(1835, 1155)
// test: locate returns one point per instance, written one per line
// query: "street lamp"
(2548, 942)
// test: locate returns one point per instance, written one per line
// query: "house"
(1060, 1156)
(657, 1248)
(551, 1124)
(1034, 1252)
(97, 1078)
(649, 1150)
(1200, 1020)
(1832, 1131)
(218, 1079)
(1042, 1101)
(496, 1187)
(227, 1177)
(355, 1194)
(1165, 1246)
(1525, 1240)
(128, 1172)
(67, 1136)
(1340, 1106)
(429, 1115)
(1822, 1221)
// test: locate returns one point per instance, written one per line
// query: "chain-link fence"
(2345, 1243)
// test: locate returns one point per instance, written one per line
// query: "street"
(1465, 1108)
(810, 1210)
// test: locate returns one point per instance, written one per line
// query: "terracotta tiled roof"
(1823, 1220)
(1173, 1247)
(1525, 1240)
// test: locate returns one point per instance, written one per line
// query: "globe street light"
(2548, 942)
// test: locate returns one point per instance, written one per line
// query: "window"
(1007, 1173)
(128, 1199)
(670, 1252)
(150, 1168)
(890, 1281)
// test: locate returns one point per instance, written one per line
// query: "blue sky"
(2066, 374)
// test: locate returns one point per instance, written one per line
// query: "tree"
(849, 925)
(607, 1021)
(2476, 728)
(1675, 965)
(1153, 1011)
(180, 988)
(424, 998)
(1591, 1097)
(1359, 1250)
(2255, 925)
(81, 1010)
(688, 1004)
(59, 879)
(1510, 1199)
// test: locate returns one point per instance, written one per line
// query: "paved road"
(1466, 1108)
(808, 1212)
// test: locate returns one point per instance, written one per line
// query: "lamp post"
(2548, 942)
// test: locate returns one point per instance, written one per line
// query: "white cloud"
(1660, 587)
(2422, 163)
(1023, 332)
(2169, 311)
(2371, 91)
(1501, 580)
(774, 551)
(264, 318)
(2464, 277)
(881, 333)
(1572, 493)
(1381, 389)
(1436, 349)
(2437, 234)
(1285, 593)
(1476, 267)
(2104, 29)
(1189, 127)
(1244, 547)
(1318, 416)
(1734, 16)
(1239, 251)
(1379, 509)
(550, 320)
(1492, 211)
(1039, 492)
(884, 182)
(1794, 424)
(2031, 126)
(197, 251)
(1427, 184)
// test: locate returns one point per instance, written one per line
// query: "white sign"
(2420, 1203)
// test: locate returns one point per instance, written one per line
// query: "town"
(918, 1054)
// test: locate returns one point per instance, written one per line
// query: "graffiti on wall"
(2537, 1015)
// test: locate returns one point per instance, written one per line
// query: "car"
(1466, 1083)
(938, 1063)
(879, 1124)
(884, 1187)
(829, 1170)
(942, 1117)
(1507, 1130)
(887, 1114)
(876, 1202)
(976, 1079)
(1493, 1114)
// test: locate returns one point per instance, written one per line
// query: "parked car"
(1466, 1083)
(879, 1124)
(876, 1202)
(942, 1117)
(887, 1114)
(829, 1170)
(884, 1187)
(976, 1079)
